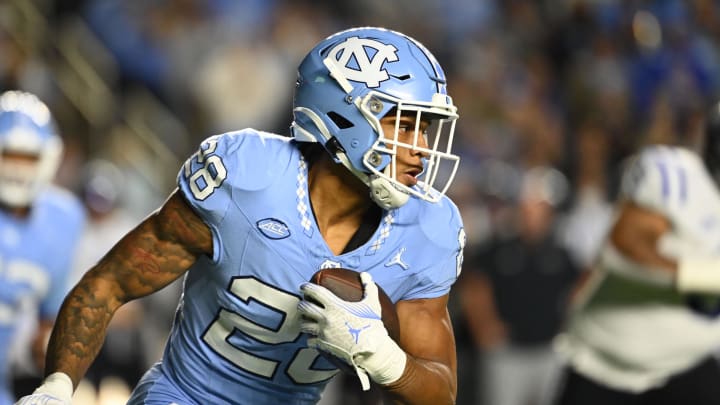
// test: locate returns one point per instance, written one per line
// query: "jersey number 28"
(209, 175)
(249, 289)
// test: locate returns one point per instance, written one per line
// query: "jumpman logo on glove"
(355, 332)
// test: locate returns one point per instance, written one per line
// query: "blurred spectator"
(588, 217)
(514, 296)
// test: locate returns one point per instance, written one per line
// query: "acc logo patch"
(273, 228)
(361, 60)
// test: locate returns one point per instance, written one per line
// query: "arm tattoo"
(151, 256)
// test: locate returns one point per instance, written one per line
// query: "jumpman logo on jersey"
(397, 259)
(355, 332)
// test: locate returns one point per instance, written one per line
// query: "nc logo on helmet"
(353, 60)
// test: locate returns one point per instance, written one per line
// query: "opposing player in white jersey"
(648, 322)
(256, 214)
(40, 225)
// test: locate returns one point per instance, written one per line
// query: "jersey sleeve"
(656, 178)
(222, 165)
(444, 254)
(202, 176)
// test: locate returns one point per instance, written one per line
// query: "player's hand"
(56, 389)
(352, 331)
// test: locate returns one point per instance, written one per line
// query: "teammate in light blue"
(39, 224)
(359, 185)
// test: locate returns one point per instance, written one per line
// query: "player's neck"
(335, 194)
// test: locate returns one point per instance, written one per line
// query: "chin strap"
(385, 194)
(382, 191)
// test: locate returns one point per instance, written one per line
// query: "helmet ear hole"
(339, 120)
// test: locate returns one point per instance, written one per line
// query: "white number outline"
(206, 158)
(226, 323)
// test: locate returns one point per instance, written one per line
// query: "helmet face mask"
(432, 136)
(353, 79)
(30, 149)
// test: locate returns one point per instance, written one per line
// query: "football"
(346, 284)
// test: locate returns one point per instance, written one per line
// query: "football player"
(40, 225)
(648, 324)
(359, 185)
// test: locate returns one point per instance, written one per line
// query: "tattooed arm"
(148, 258)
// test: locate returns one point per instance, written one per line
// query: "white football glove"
(352, 331)
(56, 389)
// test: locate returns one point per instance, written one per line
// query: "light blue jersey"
(236, 337)
(36, 254)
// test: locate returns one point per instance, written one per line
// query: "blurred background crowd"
(553, 96)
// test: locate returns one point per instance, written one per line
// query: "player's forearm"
(424, 382)
(636, 236)
(79, 332)
(135, 266)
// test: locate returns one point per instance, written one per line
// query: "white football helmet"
(26, 128)
(351, 80)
